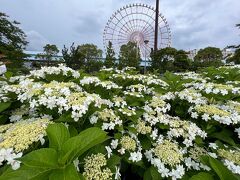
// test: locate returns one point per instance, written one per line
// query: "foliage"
(72, 57)
(110, 57)
(86, 56)
(58, 123)
(209, 56)
(170, 59)
(56, 162)
(12, 43)
(12, 38)
(50, 51)
(129, 55)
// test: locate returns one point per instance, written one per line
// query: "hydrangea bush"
(57, 123)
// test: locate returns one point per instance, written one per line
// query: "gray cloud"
(194, 24)
(36, 41)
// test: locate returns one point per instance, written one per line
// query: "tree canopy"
(12, 38)
(50, 50)
(209, 56)
(85, 56)
(110, 56)
(170, 59)
(129, 55)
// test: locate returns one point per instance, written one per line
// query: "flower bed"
(57, 123)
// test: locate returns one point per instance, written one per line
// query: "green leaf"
(3, 119)
(77, 145)
(113, 161)
(202, 176)
(73, 131)
(222, 171)
(199, 140)
(151, 174)
(26, 173)
(58, 134)
(42, 158)
(224, 136)
(68, 173)
(4, 106)
(145, 142)
(66, 117)
(8, 74)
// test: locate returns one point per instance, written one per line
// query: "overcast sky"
(194, 23)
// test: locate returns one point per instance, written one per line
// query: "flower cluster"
(167, 158)
(108, 117)
(9, 156)
(193, 161)
(60, 70)
(192, 75)
(179, 128)
(97, 82)
(231, 159)
(20, 135)
(140, 88)
(215, 112)
(217, 89)
(192, 96)
(95, 168)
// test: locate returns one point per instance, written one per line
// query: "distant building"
(192, 54)
(228, 52)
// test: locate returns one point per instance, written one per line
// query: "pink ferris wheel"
(136, 23)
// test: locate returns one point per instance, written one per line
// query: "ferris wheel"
(136, 23)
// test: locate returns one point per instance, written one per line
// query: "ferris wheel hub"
(137, 37)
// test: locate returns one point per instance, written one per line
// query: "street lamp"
(145, 66)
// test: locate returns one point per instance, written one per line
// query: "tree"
(129, 55)
(72, 57)
(163, 59)
(12, 38)
(50, 50)
(92, 57)
(110, 57)
(85, 56)
(210, 56)
(181, 61)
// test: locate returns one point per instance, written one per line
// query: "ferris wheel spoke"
(123, 33)
(124, 25)
(148, 31)
(123, 18)
(116, 25)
